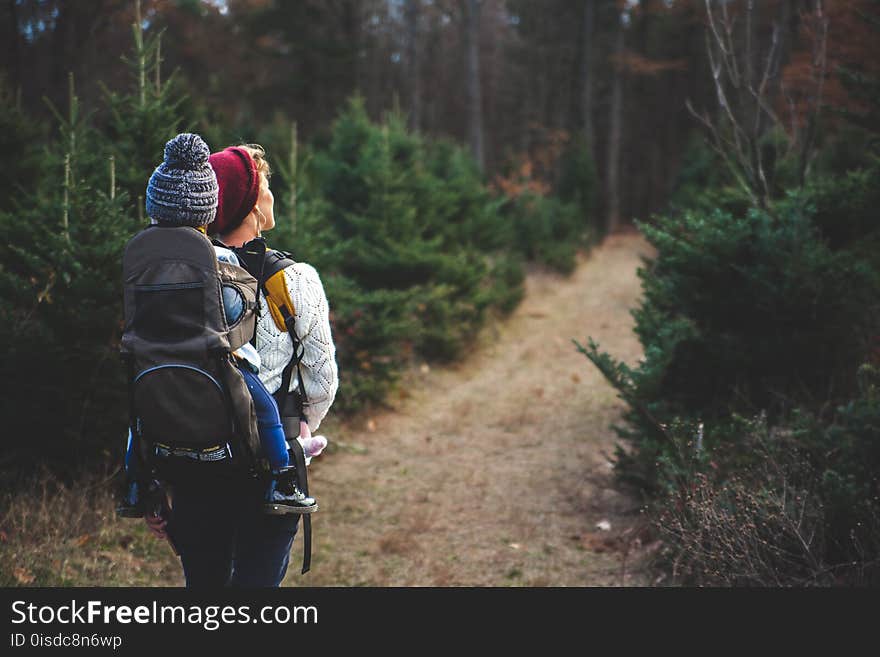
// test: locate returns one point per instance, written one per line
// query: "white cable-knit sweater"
(318, 365)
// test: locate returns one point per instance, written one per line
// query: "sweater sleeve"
(318, 366)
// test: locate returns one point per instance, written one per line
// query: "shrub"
(747, 425)
(803, 508)
(547, 230)
(743, 314)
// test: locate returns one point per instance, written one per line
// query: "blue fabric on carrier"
(268, 421)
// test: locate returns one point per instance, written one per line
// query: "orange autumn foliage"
(533, 172)
(851, 43)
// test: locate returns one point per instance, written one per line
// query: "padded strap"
(302, 477)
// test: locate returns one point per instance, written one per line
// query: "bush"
(704, 183)
(803, 508)
(547, 230)
(743, 314)
(577, 181)
(747, 425)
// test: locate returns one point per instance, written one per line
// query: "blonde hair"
(258, 153)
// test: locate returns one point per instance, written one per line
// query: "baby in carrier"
(194, 203)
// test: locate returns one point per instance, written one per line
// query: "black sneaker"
(286, 497)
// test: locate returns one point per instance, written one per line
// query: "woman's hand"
(156, 524)
(304, 431)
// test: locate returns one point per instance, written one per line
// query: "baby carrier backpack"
(189, 408)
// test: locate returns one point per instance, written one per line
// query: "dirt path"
(492, 472)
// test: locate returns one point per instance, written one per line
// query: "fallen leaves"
(23, 575)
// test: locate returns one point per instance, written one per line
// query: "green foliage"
(795, 504)
(747, 425)
(21, 156)
(61, 245)
(577, 180)
(409, 244)
(60, 249)
(704, 183)
(143, 118)
(846, 211)
(547, 230)
(753, 419)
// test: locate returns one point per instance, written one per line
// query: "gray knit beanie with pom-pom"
(183, 189)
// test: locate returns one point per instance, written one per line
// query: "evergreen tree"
(61, 246)
(403, 233)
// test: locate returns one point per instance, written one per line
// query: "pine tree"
(145, 117)
(403, 233)
(61, 247)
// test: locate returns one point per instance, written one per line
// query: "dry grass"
(58, 535)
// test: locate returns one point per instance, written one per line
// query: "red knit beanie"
(239, 183)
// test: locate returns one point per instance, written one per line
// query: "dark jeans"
(225, 539)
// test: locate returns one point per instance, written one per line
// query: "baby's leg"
(268, 421)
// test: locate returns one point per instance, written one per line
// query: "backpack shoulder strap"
(274, 287)
(267, 266)
(283, 311)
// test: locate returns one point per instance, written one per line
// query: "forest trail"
(493, 472)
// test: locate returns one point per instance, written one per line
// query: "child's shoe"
(286, 497)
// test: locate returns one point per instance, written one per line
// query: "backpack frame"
(189, 408)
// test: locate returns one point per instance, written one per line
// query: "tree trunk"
(14, 57)
(413, 59)
(471, 10)
(351, 20)
(587, 71)
(615, 137)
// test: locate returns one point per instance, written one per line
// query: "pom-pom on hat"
(239, 183)
(183, 189)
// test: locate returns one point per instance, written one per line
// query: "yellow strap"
(278, 296)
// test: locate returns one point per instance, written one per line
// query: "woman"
(223, 537)
(246, 209)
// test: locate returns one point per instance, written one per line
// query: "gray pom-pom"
(186, 151)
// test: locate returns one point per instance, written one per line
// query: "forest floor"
(493, 471)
